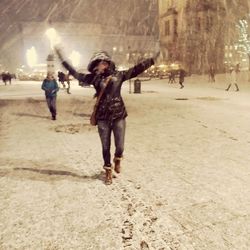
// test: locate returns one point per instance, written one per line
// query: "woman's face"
(102, 66)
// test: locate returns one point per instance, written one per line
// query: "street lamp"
(54, 39)
(31, 57)
(75, 58)
(50, 64)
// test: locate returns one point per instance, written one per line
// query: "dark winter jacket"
(50, 87)
(61, 76)
(111, 105)
(6, 77)
(182, 75)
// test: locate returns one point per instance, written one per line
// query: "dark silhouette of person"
(171, 78)
(6, 77)
(62, 77)
(182, 74)
(212, 73)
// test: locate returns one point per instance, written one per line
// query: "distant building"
(126, 30)
(82, 38)
(196, 32)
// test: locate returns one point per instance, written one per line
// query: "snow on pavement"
(184, 182)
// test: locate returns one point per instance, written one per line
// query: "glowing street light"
(53, 37)
(31, 57)
(54, 40)
(75, 58)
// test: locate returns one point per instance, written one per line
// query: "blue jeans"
(51, 102)
(105, 129)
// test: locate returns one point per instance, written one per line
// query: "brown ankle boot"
(117, 162)
(108, 175)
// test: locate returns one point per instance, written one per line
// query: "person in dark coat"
(182, 74)
(111, 113)
(6, 77)
(51, 88)
(171, 77)
(62, 78)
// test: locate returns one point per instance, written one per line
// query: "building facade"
(81, 38)
(194, 33)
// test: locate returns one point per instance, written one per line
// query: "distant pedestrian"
(182, 74)
(62, 77)
(232, 79)
(6, 77)
(211, 74)
(171, 77)
(237, 71)
(51, 88)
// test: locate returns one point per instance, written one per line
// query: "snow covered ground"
(185, 180)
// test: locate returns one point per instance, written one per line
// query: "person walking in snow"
(51, 88)
(171, 77)
(211, 73)
(62, 77)
(111, 112)
(6, 77)
(182, 74)
(232, 79)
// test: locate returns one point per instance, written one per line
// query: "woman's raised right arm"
(86, 78)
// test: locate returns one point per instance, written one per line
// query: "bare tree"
(244, 38)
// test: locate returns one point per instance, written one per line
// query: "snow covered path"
(185, 182)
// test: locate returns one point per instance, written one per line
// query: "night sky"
(133, 17)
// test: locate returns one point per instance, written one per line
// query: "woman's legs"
(119, 128)
(104, 130)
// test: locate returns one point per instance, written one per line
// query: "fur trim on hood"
(100, 56)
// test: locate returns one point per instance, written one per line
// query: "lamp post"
(54, 39)
(50, 64)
